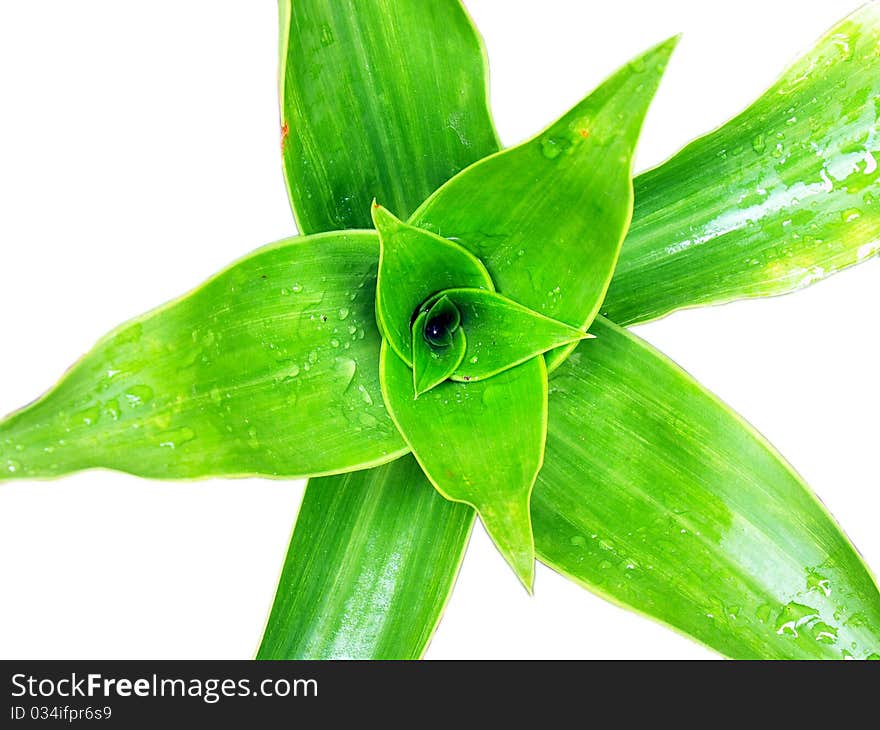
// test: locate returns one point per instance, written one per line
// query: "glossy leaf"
(547, 218)
(269, 368)
(479, 443)
(778, 198)
(413, 266)
(372, 560)
(432, 363)
(380, 99)
(502, 334)
(657, 496)
(442, 318)
(454, 117)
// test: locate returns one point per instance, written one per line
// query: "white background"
(139, 154)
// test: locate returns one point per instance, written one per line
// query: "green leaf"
(371, 563)
(479, 443)
(502, 334)
(413, 266)
(780, 197)
(436, 56)
(658, 497)
(442, 318)
(380, 99)
(269, 368)
(432, 363)
(567, 191)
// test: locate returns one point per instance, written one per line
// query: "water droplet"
(334, 342)
(365, 395)
(368, 420)
(327, 38)
(87, 417)
(851, 214)
(857, 620)
(175, 438)
(346, 369)
(637, 65)
(759, 143)
(12, 466)
(845, 48)
(138, 395)
(817, 582)
(823, 633)
(111, 408)
(129, 335)
(553, 146)
(296, 288)
(343, 312)
(577, 541)
(793, 616)
(313, 357)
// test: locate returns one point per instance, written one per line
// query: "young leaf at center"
(479, 443)
(413, 266)
(436, 353)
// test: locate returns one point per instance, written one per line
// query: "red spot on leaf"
(584, 133)
(285, 130)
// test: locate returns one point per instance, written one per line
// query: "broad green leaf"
(414, 265)
(433, 363)
(479, 443)
(379, 99)
(547, 218)
(437, 52)
(658, 497)
(371, 563)
(269, 368)
(780, 197)
(501, 333)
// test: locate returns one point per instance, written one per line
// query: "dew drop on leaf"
(138, 395)
(177, 437)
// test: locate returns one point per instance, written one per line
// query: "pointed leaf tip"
(509, 524)
(501, 334)
(383, 219)
(560, 266)
(481, 443)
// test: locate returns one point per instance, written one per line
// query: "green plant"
(304, 358)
